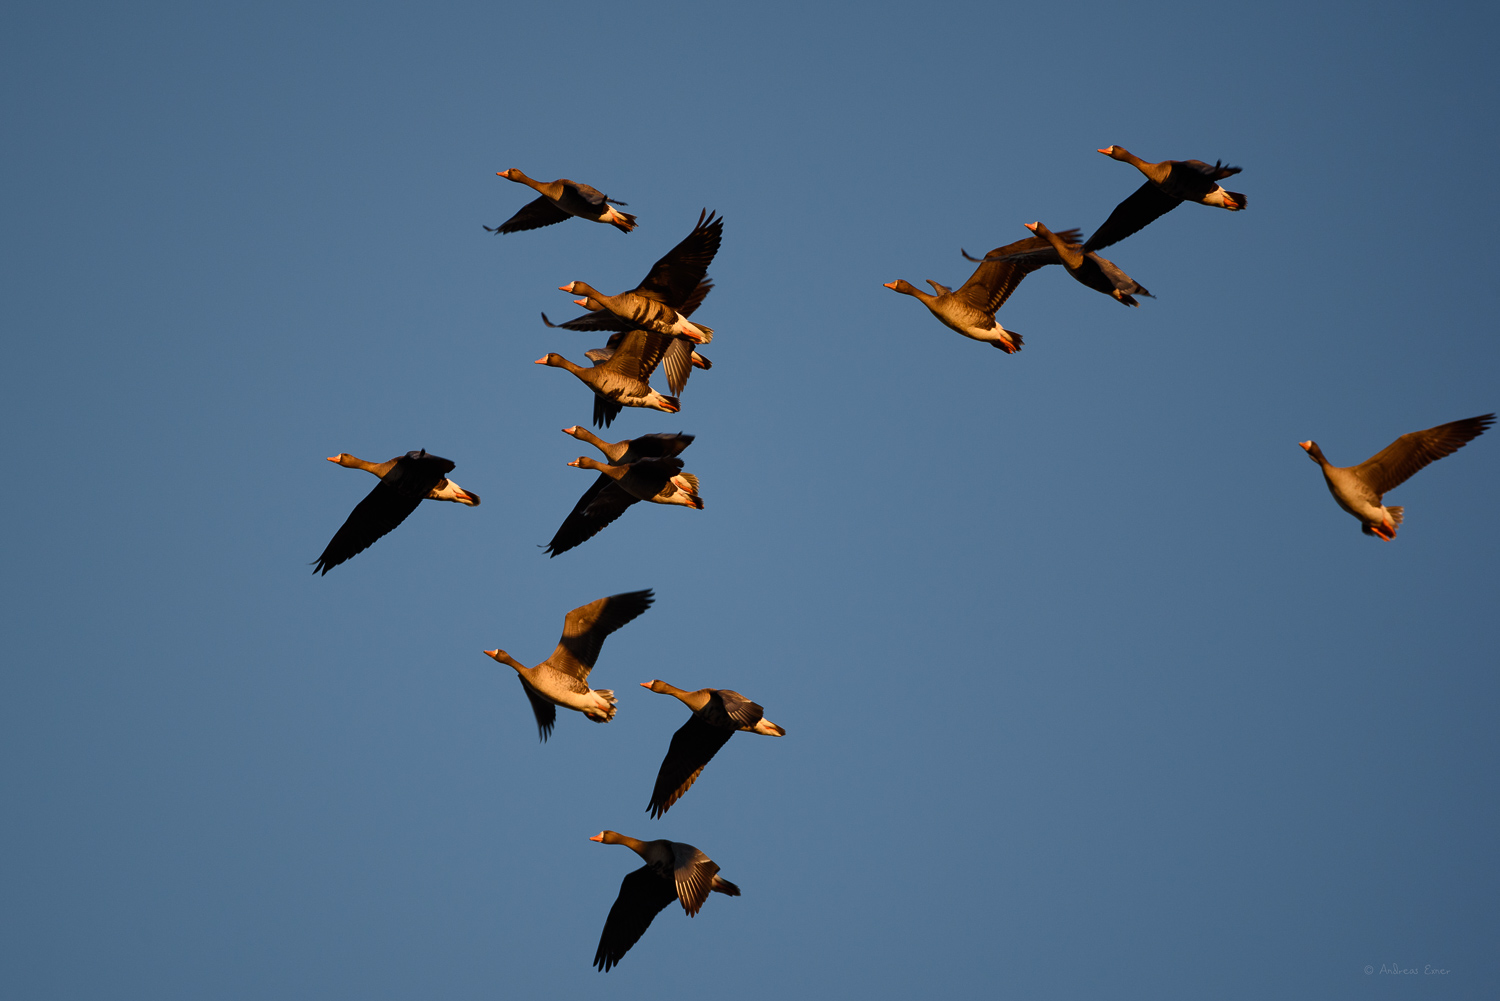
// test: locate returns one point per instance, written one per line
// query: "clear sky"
(1090, 688)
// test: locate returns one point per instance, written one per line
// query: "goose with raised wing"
(405, 482)
(659, 480)
(717, 714)
(562, 679)
(673, 871)
(560, 200)
(971, 310)
(1361, 489)
(656, 304)
(679, 359)
(580, 525)
(1086, 267)
(1168, 185)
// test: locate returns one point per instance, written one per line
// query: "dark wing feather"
(1132, 215)
(696, 298)
(601, 504)
(382, 510)
(658, 445)
(675, 278)
(639, 353)
(605, 411)
(544, 711)
(1217, 172)
(1002, 269)
(677, 362)
(738, 711)
(588, 193)
(693, 745)
(585, 628)
(1401, 458)
(533, 215)
(599, 319)
(643, 895)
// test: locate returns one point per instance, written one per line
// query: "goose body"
(674, 871)
(405, 482)
(1085, 266)
(586, 520)
(562, 679)
(1168, 185)
(561, 199)
(717, 714)
(1361, 489)
(677, 361)
(671, 289)
(622, 380)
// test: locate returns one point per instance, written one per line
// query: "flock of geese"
(650, 327)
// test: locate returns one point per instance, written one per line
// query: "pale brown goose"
(717, 714)
(1168, 185)
(561, 199)
(1360, 489)
(1087, 267)
(405, 482)
(562, 679)
(623, 379)
(580, 525)
(679, 359)
(673, 871)
(971, 310)
(656, 303)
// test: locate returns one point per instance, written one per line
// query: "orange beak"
(540, 361)
(565, 288)
(598, 837)
(890, 284)
(333, 458)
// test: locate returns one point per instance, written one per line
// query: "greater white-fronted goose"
(656, 303)
(1168, 185)
(717, 714)
(580, 526)
(1360, 489)
(1087, 267)
(673, 871)
(623, 379)
(971, 310)
(656, 479)
(678, 361)
(562, 679)
(405, 482)
(560, 199)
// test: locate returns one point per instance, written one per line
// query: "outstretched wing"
(693, 745)
(533, 215)
(586, 627)
(601, 504)
(1002, 269)
(394, 498)
(1395, 464)
(643, 894)
(544, 711)
(1146, 205)
(675, 278)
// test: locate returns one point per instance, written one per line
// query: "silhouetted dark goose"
(1082, 263)
(622, 380)
(1360, 489)
(405, 482)
(1168, 185)
(562, 679)
(673, 871)
(971, 310)
(656, 303)
(717, 714)
(678, 361)
(560, 199)
(581, 524)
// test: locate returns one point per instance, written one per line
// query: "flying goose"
(581, 525)
(1359, 489)
(673, 871)
(1168, 185)
(1098, 273)
(659, 480)
(405, 482)
(971, 310)
(622, 380)
(717, 714)
(678, 361)
(560, 199)
(656, 304)
(562, 679)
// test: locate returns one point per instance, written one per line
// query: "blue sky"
(1090, 688)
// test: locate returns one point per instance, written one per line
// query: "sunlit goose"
(971, 310)
(405, 482)
(1360, 489)
(582, 523)
(679, 359)
(1168, 185)
(623, 379)
(717, 714)
(1087, 267)
(562, 679)
(656, 303)
(560, 199)
(673, 871)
